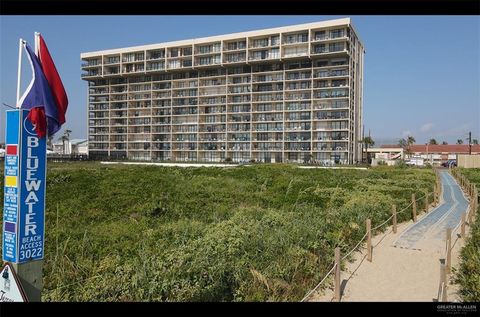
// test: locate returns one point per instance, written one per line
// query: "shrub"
(468, 274)
(251, 233)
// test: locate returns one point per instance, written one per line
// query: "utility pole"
(363, 139)
(470, 142)
(366, 145)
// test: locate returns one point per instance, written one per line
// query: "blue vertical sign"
(10, 198)
(25, 173)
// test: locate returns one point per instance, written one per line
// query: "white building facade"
(284, 94)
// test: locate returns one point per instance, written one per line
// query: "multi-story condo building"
(284, 94)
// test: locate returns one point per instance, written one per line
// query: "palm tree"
(444, 143)
(459, 141)
(65, 137)
(405, 144)
(368, 141)
(432, 142)
(410, 140)
(475, 141)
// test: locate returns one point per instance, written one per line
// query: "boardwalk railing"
(470, 189)
(445, 267)
(336, 267)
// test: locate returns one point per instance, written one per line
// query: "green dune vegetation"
(468, 274)
(265, 232)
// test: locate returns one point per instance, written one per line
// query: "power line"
(8, 106)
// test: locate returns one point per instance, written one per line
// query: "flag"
(46, 116)
(54, 81)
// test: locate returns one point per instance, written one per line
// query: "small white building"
(387, 155)
(79, 146)
(74, 146)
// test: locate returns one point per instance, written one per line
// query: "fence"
(67, 157)
(445, 267)
(468, 161)
(368, 235)
(471, 190)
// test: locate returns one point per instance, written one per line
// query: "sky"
(422, 73)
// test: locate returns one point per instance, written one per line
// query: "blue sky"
(422, 73)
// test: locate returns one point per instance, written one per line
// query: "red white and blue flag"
(45, 96)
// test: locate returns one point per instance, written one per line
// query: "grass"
(468, 275)
(260, 233)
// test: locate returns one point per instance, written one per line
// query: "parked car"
(450, 163)
(415, 161)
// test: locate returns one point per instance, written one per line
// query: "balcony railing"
(90, 74)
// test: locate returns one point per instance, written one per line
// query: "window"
(236, 57)
(260, 55)
(112, 60)
(321, 63)
(173, 64)
(296, 38)
(260, 42)
(322, 73)
(232, 46)
(187, 51)
(337, 33)
(275, 40)
(128, 57)
(174, 52)
(295, 51)
(339, 72)
(339, 62)
(157, 54)
(236, 45)
(275, 53)
(320, 35)
(320, 48)
(205, 60)
(335, 47)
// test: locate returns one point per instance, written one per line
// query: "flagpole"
(37, 42)
(19, 73)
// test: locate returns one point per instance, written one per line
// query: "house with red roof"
(436, 154)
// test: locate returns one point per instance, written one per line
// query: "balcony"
(84, 75)
(111, 61)
(295, 39)
(331, 95)
(111, 73)
(329, 35)
(324, 74)
(235, 46)
(325, 50)
(159, 68)
(91, 64)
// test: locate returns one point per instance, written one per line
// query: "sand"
(396, 274)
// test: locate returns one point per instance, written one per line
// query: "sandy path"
(398, 274)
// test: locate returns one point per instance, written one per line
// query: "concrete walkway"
(434, 225)
(406, 265)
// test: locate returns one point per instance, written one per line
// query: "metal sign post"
(24, 202)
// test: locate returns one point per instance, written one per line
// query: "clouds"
(426, 127)
(458, 131)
